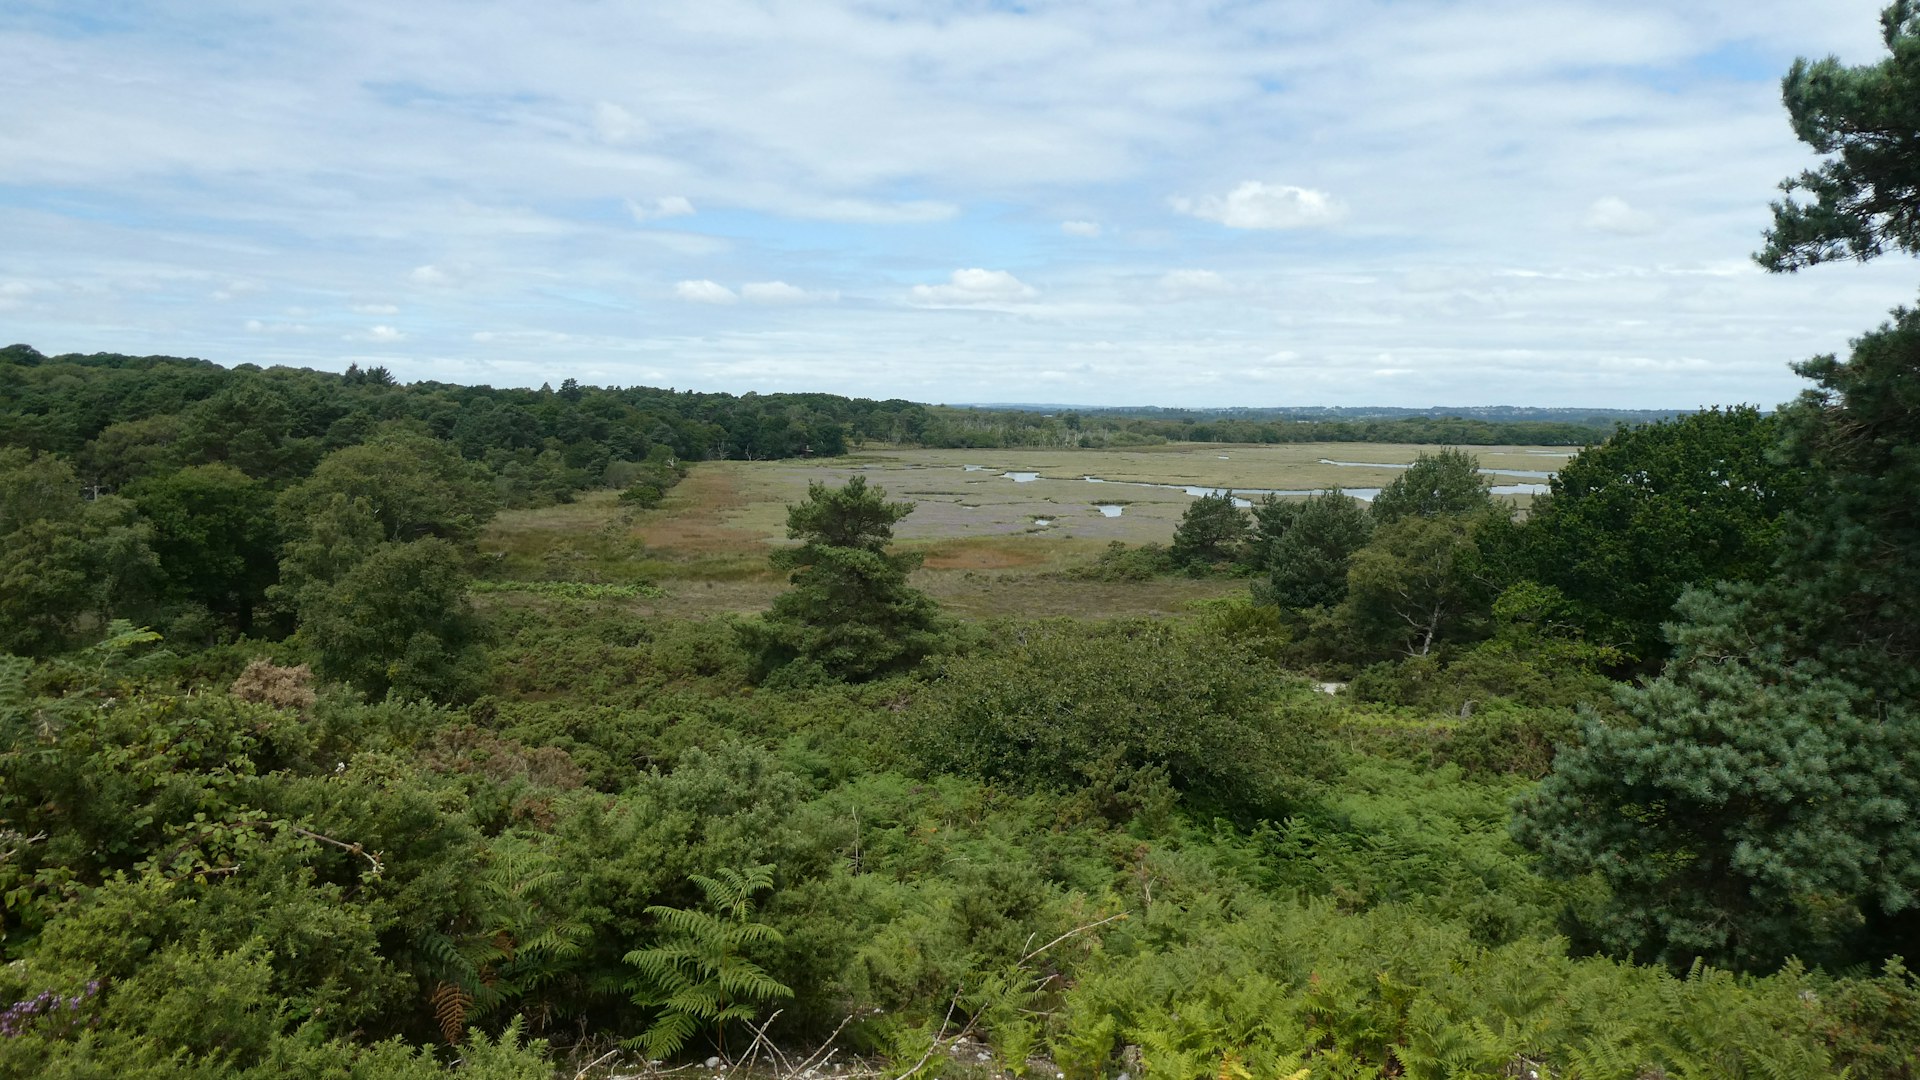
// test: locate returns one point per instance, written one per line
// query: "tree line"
(121, 417)
(1622, 789)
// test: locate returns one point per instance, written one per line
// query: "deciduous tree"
(1632, 522)
(1414, 586)
(413, 485)
(213, 530)
(397, 621)
(1448, 482)
(66, 564)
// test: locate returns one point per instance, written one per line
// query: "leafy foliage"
(1435, 485)
(413, 487)
(1632, 522)
(1116, 711)
(701, 974)
(1415, 586)
(65, 561)
(397, 622)
(214, 533)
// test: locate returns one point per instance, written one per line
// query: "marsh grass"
(706, 545)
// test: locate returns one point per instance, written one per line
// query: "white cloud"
(377, 309)
(870, 212)
(975, 286)
(666, 206)
(779, 292)
(13, 294)
(1087, 229)
(1258, 205)
(866, 141)
(234, 289)
(255, 326)
(1193, 281)
(704, 292)
(383, 333)
(616, 125)
(1613, 214)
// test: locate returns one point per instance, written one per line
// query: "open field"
(993, 545)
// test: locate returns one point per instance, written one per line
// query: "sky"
(1535, 202)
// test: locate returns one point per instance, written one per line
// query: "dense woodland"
(119, 417)
(1625, 787)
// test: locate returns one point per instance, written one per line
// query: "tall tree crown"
(853, 516)
(1865, 197)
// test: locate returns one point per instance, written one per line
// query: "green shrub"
(1122, 563)
(1064, 707)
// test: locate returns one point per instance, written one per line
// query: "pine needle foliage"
(700, 974)
(850, 614)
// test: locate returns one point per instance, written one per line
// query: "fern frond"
(753, 934)
(449, 960)
(742, 979)
(451, 1004)
(667, 1035)
(695, 924)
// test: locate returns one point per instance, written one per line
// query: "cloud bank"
(1549, 203)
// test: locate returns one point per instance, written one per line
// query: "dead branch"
(1070, 933)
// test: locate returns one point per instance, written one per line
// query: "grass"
(568, 590)
(706, 545)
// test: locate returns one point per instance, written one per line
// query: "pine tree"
(1210, 532)
(1309, 548)
(1761, 800)
(850, 614)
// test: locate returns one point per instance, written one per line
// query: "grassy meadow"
(992, 546)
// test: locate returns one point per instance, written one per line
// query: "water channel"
(1365, 494)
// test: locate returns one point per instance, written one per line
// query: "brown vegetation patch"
(694, 519)
(986, 554)
(265, 682)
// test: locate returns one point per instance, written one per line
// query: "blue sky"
(1531, 202)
